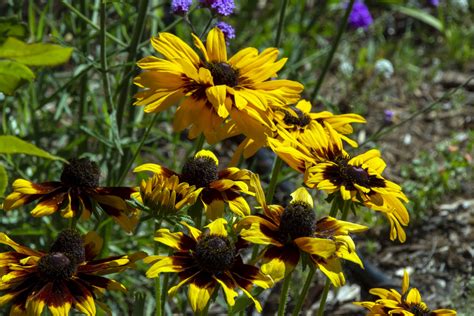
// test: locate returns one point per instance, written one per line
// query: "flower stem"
(199, 143)
(158, 289)
(277, 164)
(137, 151)
(281, 22)
(304, 292)
(324, 297)
(284, 295)
(328, 61)
(127, 73)
(103, 56)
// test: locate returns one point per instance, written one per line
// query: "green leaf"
(14, 145)
(3, 180)
(37, 54)
(11, 27)
(11, 73)
(421, 15)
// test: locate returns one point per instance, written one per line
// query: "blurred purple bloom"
(227, 29)
(222, 7)
(360, 16)
(433, 3)
(180, 7)
(388, 116)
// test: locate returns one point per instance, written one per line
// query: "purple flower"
(433, 3)
(227, 29)
(180, 7)
(222, 7)
(388, 119)
(360, 16)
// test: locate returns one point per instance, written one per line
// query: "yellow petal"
(302, 195)
(316, 246)
(199, 296)
(164, 265)
(216, 46)
(168, 238)
(203, 153)
(217, 227)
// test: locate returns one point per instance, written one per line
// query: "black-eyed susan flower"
(214, 88)
(65, 277)
(328, 167)
(408, 303)
(217, 187)
(290, 230)
(291, 122)
(76, 193)
(165, 196)
(206, 260)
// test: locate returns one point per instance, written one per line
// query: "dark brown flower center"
(199, 172)
(419, 310)
(70, 242)
(357, 175)
(215, 253)
(81, 173)
(298, 220)
(300, 120)
(56, 266)
(223, 74)
(66, 252)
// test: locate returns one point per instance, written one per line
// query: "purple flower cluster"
(227, 29)
(222, 7)
(360, 16)
(433, 3)
(180, 7)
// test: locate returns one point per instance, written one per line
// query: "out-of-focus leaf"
(3, 180)
(11, 73)
(14, 145)
(421, 15)
(11, 27)
(38, 54)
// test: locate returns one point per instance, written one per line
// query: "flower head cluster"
(227, 29)
(206, 260)
(407, 303)
(289, 231)
(327, 166)
(360, 16)
(221, 7)
(214, 187)
(77, 193)
(214, 88)
(180, 7)
(64, 277)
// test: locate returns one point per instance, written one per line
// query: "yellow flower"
(166, 195)
(215, 187)
(326, 166)
(206, 260)
(292, 122)
(214, 87)
(65, 277)
(408, 303)
(289, 230)
(76, 194)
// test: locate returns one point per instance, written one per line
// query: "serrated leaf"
(3, 180)
(11, 27)
(421, 15)
(14, 145)
(11, 73)
(38, 54)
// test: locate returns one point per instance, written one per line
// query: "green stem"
(277, 164)
(158, 289)
(324, 297)
(199, 143)
(137, 151)
(124, 86)
(281, 22)
(328, 61)
(304, 292)
(164, 292)
(284, 295)
(103, 57)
